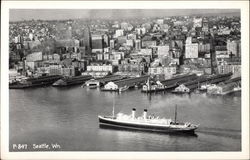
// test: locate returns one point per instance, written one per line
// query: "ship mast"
(113, 111)
(175, 114)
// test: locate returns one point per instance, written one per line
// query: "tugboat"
(146, 123)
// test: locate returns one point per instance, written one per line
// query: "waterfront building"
(229, 67)
(55, 69)
(68, 71)
(100, 68)
(96, 74)
(111, 86)
(163, 72)
(131, 67)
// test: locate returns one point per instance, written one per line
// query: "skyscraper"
(112, 44)
(97, 43)
(87, 40)
(138, 44)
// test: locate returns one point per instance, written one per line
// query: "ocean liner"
(146, 123)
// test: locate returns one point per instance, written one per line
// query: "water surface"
(68, 117)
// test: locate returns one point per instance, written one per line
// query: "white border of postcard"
(6, 5)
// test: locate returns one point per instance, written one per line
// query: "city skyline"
(64, 14)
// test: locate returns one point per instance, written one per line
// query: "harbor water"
(67, 117)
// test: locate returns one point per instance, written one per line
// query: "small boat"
(204, 87)
(146, 123)
(92, 86)
(124, 88)
(236, 89)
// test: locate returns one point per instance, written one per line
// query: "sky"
(59, 14)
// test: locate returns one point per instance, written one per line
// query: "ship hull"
(104, 122)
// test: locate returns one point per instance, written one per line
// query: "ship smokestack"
(145, 114)
(133, 113)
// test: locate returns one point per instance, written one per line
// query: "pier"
(110, 78)
(69, 81)
(129, 82)
(35, 82)
(168, 84)
(191, 85)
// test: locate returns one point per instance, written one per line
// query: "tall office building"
(106, 40)
(205, 27)
(112, 44)
(233, 48)
(97, 43)
(19, 39)
(138, 44)
(87, 40)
